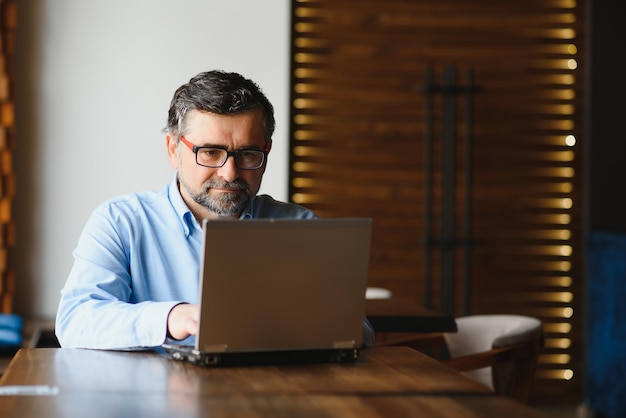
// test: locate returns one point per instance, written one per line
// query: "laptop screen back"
(270, 285)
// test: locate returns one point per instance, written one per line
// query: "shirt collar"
(248, 211)
(188, 221)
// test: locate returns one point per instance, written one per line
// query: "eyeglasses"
(212, 157)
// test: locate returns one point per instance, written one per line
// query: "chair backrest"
(500, 351)
(377, 293)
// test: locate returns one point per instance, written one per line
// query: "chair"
(377, 293)
(500, 351)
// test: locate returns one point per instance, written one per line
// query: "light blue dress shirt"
(137, 257)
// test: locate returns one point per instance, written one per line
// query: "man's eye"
(211, 152)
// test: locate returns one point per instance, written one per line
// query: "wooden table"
(384, 382)
(388, 317)
(405, 316)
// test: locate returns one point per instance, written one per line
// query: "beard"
(225, 204)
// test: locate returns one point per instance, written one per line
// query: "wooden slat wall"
(358, 149)
(8, 21)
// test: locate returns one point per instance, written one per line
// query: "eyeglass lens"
(216, 157)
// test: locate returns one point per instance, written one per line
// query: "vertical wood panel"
(8, 22)
(358, 149)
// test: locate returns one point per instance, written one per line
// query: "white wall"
(94, 81)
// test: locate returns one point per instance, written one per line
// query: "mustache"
(223, 184)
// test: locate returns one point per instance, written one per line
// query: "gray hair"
(221, 93)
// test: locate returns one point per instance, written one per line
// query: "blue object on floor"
(11, 321)
(606, 318)
(10, 338)
(11, 326)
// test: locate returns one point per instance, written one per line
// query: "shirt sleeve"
(95, 310)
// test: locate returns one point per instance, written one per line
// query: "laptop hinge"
(344, 344)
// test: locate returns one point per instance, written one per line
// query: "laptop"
(280, 291)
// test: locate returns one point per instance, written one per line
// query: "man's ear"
(172, 150)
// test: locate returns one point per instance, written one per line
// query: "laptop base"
(257, 358)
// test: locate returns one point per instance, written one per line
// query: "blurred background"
(480, 136)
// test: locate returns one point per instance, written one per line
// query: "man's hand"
(182, 321)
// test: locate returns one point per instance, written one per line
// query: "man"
(134, 282)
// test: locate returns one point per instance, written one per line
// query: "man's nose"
(229, 170)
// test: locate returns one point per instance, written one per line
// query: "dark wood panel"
(359, 128)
